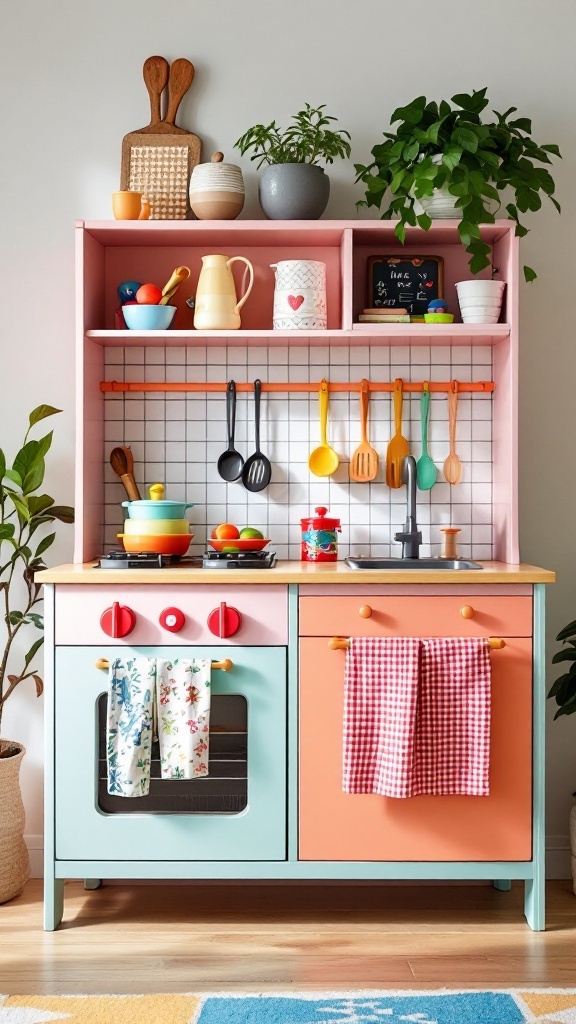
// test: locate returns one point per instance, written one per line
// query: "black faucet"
(411, 536)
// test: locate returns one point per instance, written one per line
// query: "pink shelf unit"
(110, 252)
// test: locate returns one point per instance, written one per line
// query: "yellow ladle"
(323, 460)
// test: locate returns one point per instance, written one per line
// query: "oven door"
(237, 812)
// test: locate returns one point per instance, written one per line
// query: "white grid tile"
(177, 438)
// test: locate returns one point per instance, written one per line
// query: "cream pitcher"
(216, 307)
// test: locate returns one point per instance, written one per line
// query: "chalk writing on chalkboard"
(408, 281)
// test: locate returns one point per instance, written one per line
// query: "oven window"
(223, 791)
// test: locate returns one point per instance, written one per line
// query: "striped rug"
(438, 1006)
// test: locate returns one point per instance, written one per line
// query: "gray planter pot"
(294, 191)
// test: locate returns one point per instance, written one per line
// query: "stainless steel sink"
(410, 563)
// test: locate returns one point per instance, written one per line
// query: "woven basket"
(14, 861)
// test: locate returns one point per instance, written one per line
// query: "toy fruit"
(226, 531)
(249, 533)
(230, 548)
(149, 295)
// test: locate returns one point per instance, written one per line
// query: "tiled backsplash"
(177, 437)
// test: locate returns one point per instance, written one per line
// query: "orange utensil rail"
(484, 386)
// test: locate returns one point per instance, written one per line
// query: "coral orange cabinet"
(355, 827)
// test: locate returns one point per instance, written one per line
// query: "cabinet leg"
(92, 883)
(534, 900)
(53, 902)
(502, 884)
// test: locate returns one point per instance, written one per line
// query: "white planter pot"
(480, 301)
(573, 845)
(441, 205)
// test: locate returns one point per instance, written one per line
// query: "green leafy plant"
(564, 689)
(24, 516)
(478, 161)
(306, 141)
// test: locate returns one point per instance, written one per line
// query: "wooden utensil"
(452, 466)
(364, 462)
(230, 463)
(426, 472)
(180, 274)
(122, 462)
(158, 159)
(257, 469)
(323, 461)
(398, 447)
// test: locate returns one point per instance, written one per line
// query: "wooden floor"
(191, 938)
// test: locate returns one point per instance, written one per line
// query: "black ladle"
(230, 462)
(257, 469)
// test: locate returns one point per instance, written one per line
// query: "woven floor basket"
(14, 861)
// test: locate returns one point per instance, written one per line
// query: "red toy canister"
(319, 540)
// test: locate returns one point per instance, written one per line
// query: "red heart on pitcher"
(295, 301)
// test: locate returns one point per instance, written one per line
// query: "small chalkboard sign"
(408, 281)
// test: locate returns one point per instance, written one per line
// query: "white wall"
(71, 87)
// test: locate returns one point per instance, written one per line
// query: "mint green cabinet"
(89, 827)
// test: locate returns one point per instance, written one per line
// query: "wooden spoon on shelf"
(452, 466)
(122, 462)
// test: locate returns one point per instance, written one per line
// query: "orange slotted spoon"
(398, 447)
(364, 462)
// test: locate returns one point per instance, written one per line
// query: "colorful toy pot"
(159, 543)
(156, 507)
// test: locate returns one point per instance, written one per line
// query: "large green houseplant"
(438, 146)
(25, 519)
(563, 691)
(293, 185)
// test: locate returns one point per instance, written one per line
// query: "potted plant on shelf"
(293, 186)
(564, 692)
(445, 161)
(23, 542)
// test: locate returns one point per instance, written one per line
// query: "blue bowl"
(147, 317)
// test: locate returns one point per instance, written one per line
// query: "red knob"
(118, 621)
(224, 621)
(172, 619)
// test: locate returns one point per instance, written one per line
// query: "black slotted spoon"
(257, 469)
(230, 462)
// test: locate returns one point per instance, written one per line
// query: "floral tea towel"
(183, 700)
(131, 686)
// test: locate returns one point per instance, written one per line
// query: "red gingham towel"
(380, 699)
(452, 750)
(417, 716)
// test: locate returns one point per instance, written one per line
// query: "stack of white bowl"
(480, 301)
(216, 190)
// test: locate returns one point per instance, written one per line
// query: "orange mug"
(130, 206)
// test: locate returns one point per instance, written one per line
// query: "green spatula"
(426, 471)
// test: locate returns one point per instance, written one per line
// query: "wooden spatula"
(452, 466)
(159, 158)
(364, 462)
(398, 447)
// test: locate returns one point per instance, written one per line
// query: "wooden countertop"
(335, 573)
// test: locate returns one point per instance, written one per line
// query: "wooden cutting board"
(159, 158)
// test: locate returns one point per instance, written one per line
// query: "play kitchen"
(373, 474)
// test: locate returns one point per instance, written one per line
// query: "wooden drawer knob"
(365, 611)
(467, 612)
